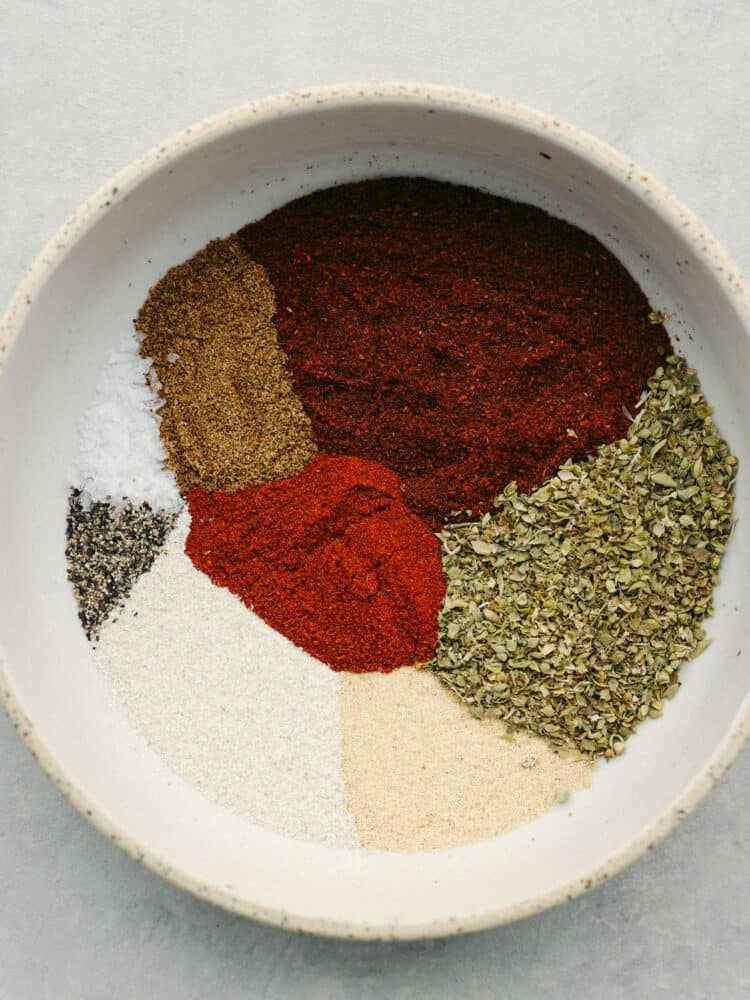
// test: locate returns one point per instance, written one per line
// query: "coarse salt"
(120, 456)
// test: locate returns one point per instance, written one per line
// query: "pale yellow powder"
(420, 772)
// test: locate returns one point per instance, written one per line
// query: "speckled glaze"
(47, 681)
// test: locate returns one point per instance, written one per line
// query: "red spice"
(454, 336)
(331, 558)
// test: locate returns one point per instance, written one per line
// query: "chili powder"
(459, 338)
(331, 558)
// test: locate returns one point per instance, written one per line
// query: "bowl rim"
(427, 95)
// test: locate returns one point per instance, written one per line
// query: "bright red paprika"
(332, 558)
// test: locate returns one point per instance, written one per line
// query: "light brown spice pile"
(230, 417)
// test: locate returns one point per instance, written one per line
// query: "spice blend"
(483, 505)
(420, 773)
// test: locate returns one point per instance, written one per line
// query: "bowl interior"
(207, 183)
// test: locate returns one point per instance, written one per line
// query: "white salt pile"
(232, 705)
(120, 455)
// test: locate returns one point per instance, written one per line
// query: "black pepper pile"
(108, 549)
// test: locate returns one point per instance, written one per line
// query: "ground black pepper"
(108, 549)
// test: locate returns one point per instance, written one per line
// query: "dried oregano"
(570, 610)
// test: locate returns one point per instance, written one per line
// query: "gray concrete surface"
(84, 87)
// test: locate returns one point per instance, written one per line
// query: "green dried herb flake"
(570, 610)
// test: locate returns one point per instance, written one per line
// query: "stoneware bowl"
(58, 332)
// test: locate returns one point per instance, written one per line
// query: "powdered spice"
(331, 558)
(230, 416)
(107, 549)
(461, 339)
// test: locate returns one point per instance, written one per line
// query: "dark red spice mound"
(454, 336)
(331, 558)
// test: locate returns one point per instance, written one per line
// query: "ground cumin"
(230, 416)
(108, 549)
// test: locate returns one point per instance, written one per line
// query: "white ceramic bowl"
(59, 330)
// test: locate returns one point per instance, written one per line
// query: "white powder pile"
(121, 456)
(232, 705)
